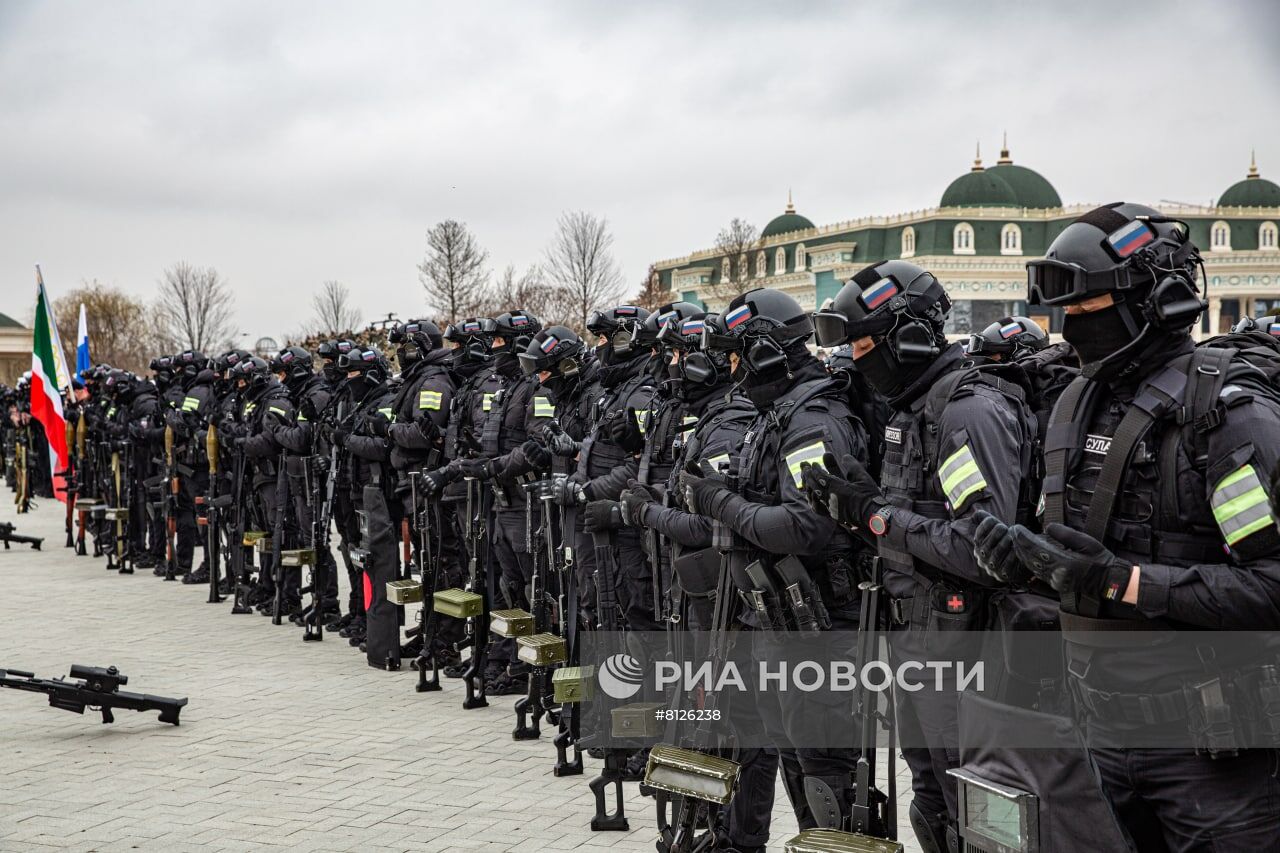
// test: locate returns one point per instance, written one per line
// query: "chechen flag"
(49, 375)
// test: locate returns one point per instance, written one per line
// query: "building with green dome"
(988, 223)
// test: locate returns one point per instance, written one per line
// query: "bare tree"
(531, 291)
(652, 294)
(193, 309)
(334, 312)
(453, 273)
(118, 330)
(580, 263)
(736, 243)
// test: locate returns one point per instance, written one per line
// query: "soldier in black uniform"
(1156, 517)
(265, 413)
(421, 408)
(803, 416)
(344, 515)
(140, 413)
(716, 416)
(512, 414)
(363, 433)
(189, 418)
(959, 440)
(301, 440)
(627, 389)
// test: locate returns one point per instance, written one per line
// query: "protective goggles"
(356, 359)
(1053, 282)
(681, 334)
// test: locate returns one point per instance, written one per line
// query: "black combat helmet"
(516, 328)
(189, 363)
(413, 340)
(295, 363)
(1269, 324)
(1011, 336)
(329, 352)
(369, 362)
(471, 342)
(622, 328)
(699, 365)
(1145, 262)
(672, 312)
(557, 349)
(253, 371)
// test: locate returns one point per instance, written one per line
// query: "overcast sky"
(289, 143)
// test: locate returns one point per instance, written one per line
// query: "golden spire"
(791, 208)
(1253, 165)
(1004, 152)
(977, 157)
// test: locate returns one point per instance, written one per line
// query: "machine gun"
(97, 689)
(71, 487)
(8, 535)
(428, 555)
(569, 736)
(609, 616)
(322, 511)
(239, 570)
(472, 603)
(536, 703)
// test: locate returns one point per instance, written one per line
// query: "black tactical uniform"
(364, 434)
(190, 418)
(1156, 518)
(803, 416)
(960, 439)
(303, 443)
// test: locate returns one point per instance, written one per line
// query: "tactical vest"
(504, 426)
(599, 454)
(574, 417)
(665, 430)
(908, 475)
(757, 480)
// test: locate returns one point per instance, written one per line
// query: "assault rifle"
(170, 498)
(480, 583)
(569, 736)
(70, 486)
(98, 689)
(8, 535)
(429, 556)
(213, 506)
(321, 512)
(239, 571)
(609, 616)
(537, 702)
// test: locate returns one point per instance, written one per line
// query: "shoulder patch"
(543, 408)
(960, 477)
(1240, 505)
(811, 453)
(429, 400)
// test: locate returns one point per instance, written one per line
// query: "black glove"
(559, 442)
(433, 482)
(602, 515)
(566, 491)
(537, 455)
(307, 408)
(845, 489)
(634, 499)
(993, 548)
(704, 493)
(378, 426)
(625, 431)
(476, 469)
(340, 434)
(174, 419)
(428, 430)
(1079, 567)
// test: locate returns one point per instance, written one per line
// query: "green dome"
(1029, 186)
(979, 188)
(786, 223)
(1253, 191)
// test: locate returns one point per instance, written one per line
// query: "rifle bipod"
(423, 662)
(471, 678)
(610, 776)
(532, 707)
(685, 825)
(564, 741)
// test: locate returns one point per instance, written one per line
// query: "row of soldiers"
(691, 471)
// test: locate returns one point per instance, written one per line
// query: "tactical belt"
(1149, 708)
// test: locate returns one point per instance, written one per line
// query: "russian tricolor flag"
(549, 344)
(1132, 237)
(1275, 329)
(879, 293)
(519, 320)
(692, 327)
(82, 343)
(737, 316)
(1008, 330)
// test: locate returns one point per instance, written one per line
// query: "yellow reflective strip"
(277, 410)
(542, 408)
(487, 403)
(716, 461)
(960, 474)
(811, 453)
(642, 420)
(429, 399)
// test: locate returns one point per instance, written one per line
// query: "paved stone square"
(284, 745)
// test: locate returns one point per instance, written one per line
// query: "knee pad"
(828, 799)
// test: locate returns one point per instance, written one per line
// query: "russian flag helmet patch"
(1129, 238)
(879, 293)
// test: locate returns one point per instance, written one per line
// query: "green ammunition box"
(637, 720)
(457, 603)
(691, 774)
(407, 591)
(298, 557)
(116, 513)
(252, 536)
(574, 684)
(835, 841)
(263, 545)
(511, 623)
(541, 649)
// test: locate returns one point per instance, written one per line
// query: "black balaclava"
(763, 389)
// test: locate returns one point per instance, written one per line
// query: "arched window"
(802, 258)
(780, 261)
(761, 264)
(1268, 237)
(1220, 237)
(1011, 240)
(962, 239)
(726, 275)
(908, 241)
